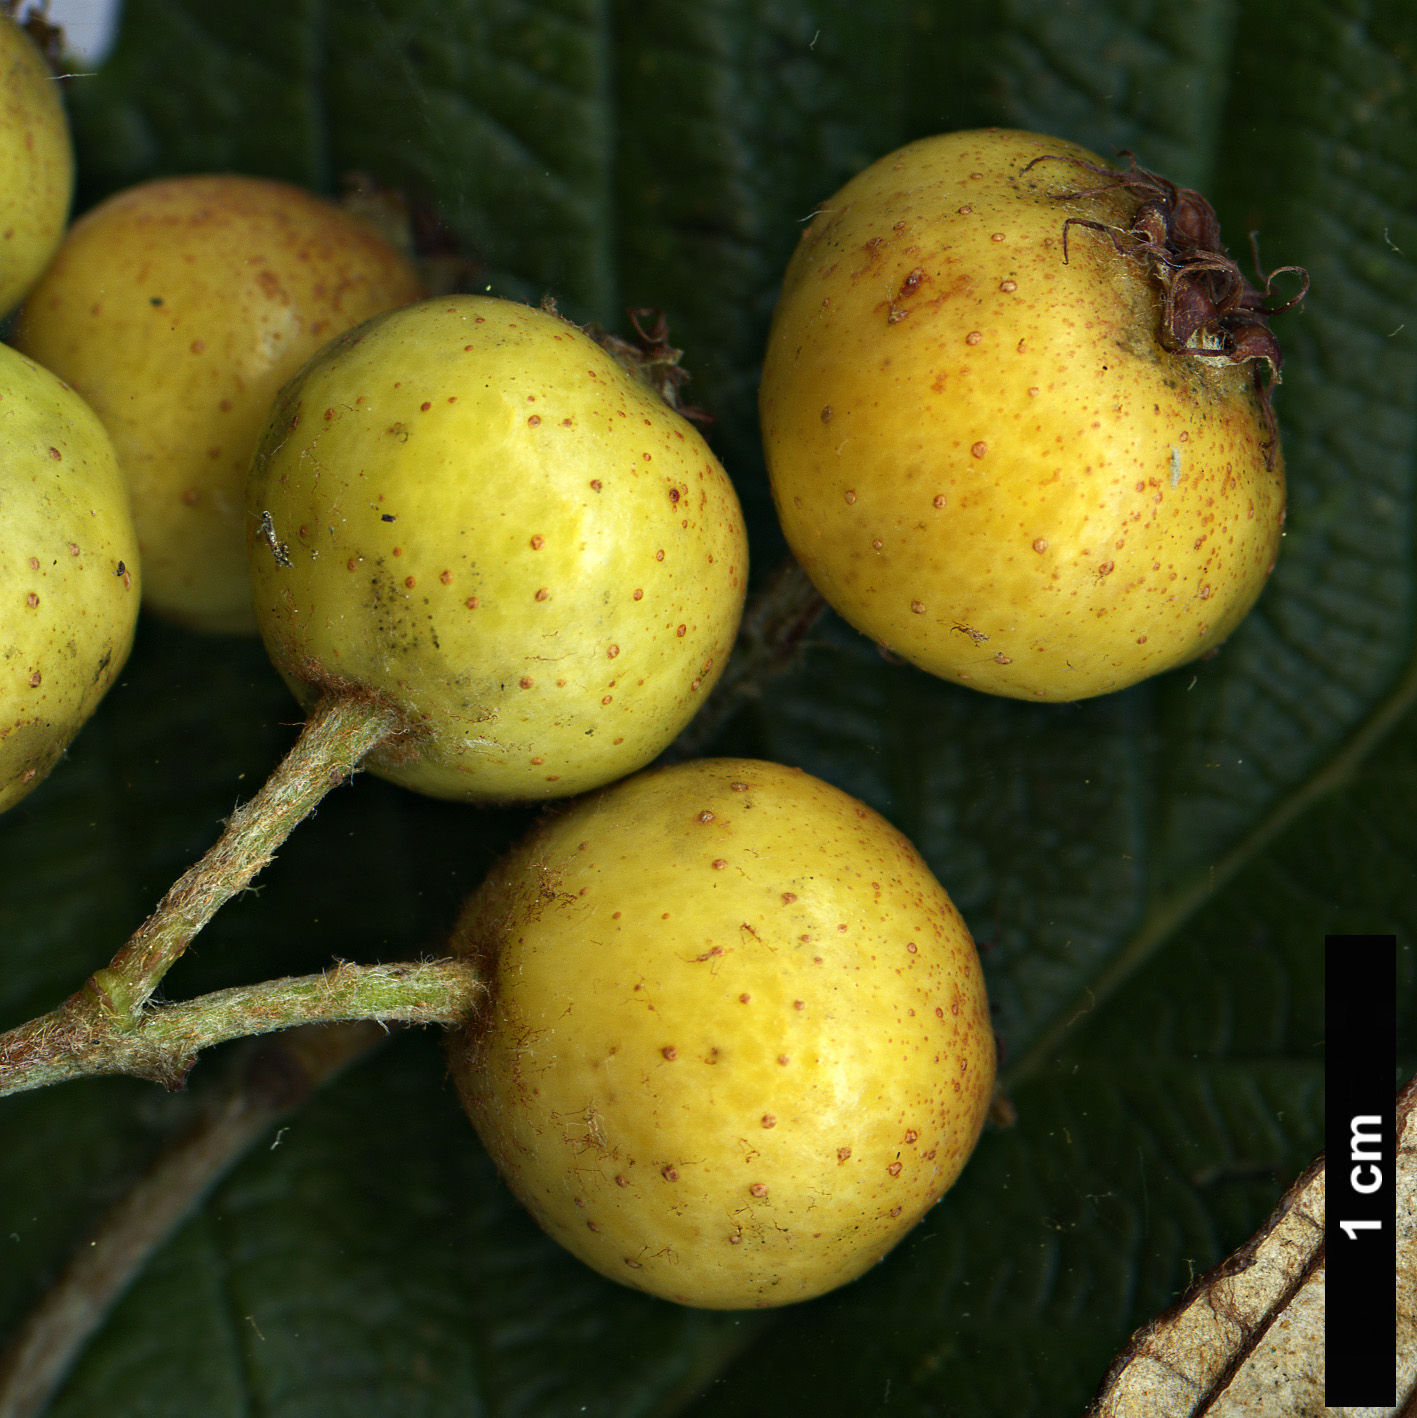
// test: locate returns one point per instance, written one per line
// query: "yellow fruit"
(984, 455)
(68, 571)
(468, 509)
(36, 164)
(736, 1042)
(177, 309)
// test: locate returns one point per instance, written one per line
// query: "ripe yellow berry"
(177, 309)
(468, 510)
(736, 1041)
(36, 164)
(986, 456)
(69, 580)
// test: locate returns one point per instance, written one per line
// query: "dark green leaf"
(1151, 874)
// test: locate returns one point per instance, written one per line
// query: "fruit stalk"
(164, 1045)
(109, 1027)
(340, 730)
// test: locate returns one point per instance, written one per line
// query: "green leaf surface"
(1151, 875)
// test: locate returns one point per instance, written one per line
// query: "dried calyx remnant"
(1208, 306)
(651, 359)
(47, 38)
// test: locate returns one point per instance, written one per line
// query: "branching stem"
(340, 730)
(108, 1026)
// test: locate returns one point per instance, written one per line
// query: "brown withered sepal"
(1209, 308)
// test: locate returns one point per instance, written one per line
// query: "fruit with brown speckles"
(177, 309)
(36, 164)
(69, 585)
(468, 509)
(983, 455)
(736, 1043)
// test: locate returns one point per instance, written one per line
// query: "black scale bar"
(1360, 1233)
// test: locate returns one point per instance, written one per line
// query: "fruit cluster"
(729, 1038)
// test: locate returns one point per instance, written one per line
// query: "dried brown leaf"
(1247, 1339)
